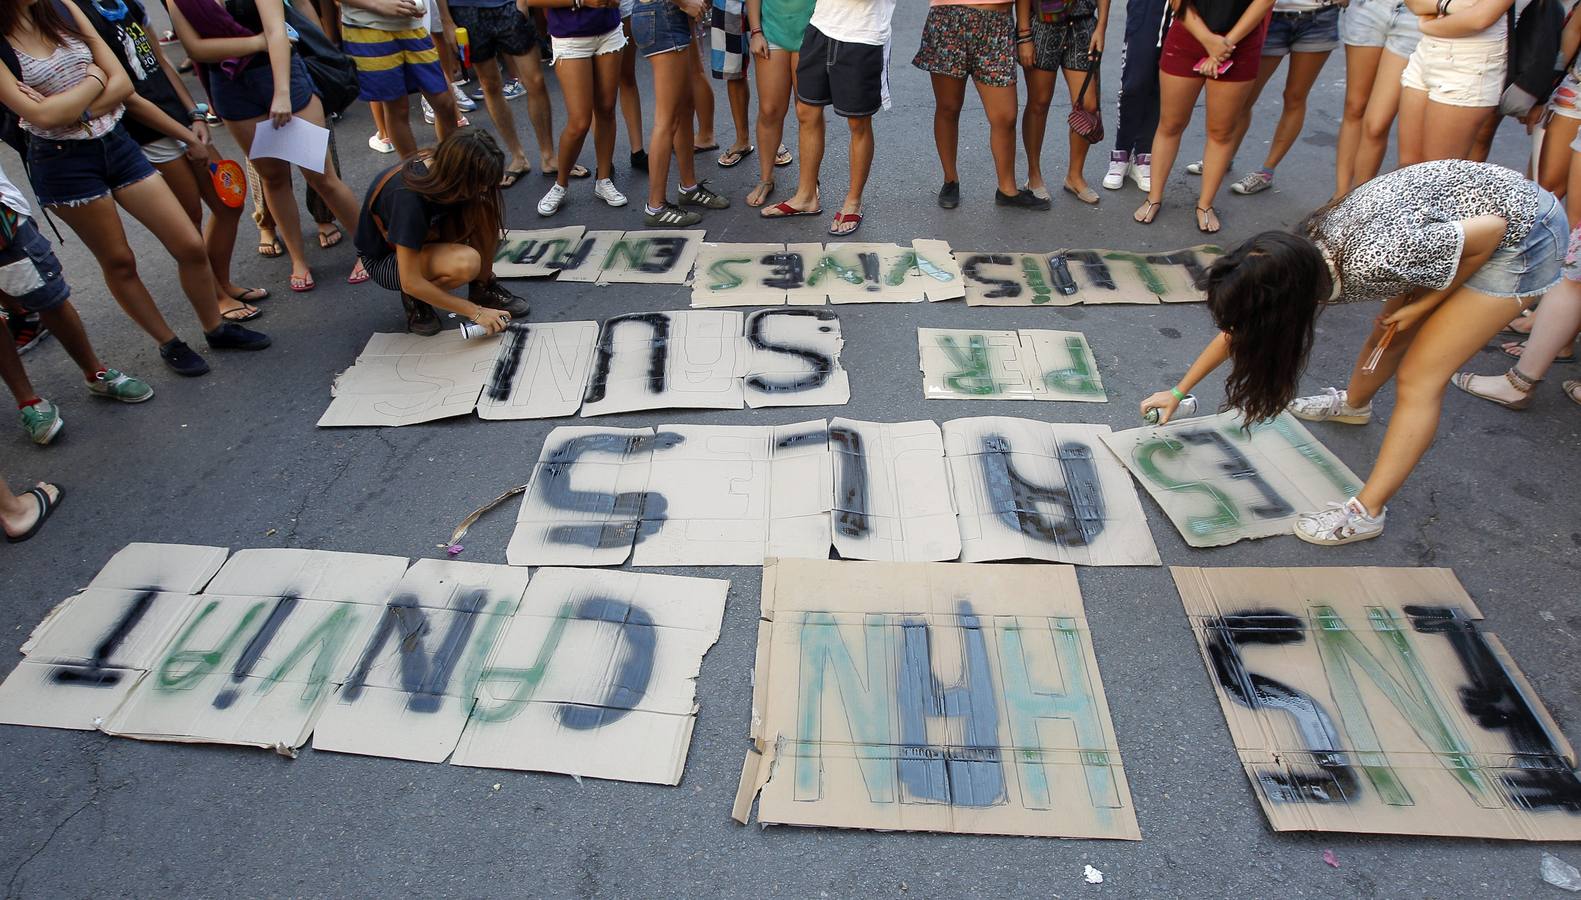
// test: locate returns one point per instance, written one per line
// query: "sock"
(651, 210)
(26, 403)
(101, 371)
(688, 188)
(1267, 171)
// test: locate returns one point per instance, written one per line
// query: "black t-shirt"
(408, 217)
(1220, 15)
(133, 47)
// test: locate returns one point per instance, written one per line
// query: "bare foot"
(1147, 211)
(760, 194)
(32, 510)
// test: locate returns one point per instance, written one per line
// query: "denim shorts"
(1311, 31)
(659, 26)
(248, 95)
(1380, 23)
(29, 272)
(73, 173)
(1531, 269)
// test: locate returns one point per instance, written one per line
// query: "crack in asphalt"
(93, 795)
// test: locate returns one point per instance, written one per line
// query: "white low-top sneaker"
(1340, 523)
(1114, 179)
(550, 204)
(605, 190)
(1330, 406)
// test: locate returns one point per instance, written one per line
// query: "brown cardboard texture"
(402, 379)
(812, 274)
(931, 697)
(540, 371)
(892, 492)
(1370, 700)
(538, 253)
(1031, 364)
(1066, 277)
(1220, 482)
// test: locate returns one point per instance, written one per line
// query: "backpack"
(332, 71)
(1532, 75)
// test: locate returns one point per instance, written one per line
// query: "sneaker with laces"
(494, 295)
(670, 216)
(231, 336)
(27, 331)
(1194, 168)
(179, 357)
(114, 384)
(380, 145)
(42, 422)
(1140, 171)
(463, 102)
(1330, 406)
(1340, 523)
(420, 317)
(550, 204)
(639, 162)
(428, 111)
(1119, 162)
(1253, 183)
(700, 195)
(1022, 199)
(605, 190)
(513, 89)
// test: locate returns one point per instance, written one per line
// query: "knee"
(1002, 119)
(1038, 106)
(1376, 127)
(456, 265)
(809, 115)
(861, 128)
(1172, 126)
(948, 106)
(1221, 132)
(578, 123)
(1417, 385)
(1355, 107)
(119, 265)
(1295, 104)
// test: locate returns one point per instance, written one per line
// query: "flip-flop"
(250, 295)
(328, 239)
(245, 313)
(783, 158)
(735, 156)
(270, 249)
(713, 146)
(767, 187)
(1569, 356)
(786, 211)
(303, 283)
(577, 171)
(511, 177)
(840, 218)
(358, 275)
(46, 507)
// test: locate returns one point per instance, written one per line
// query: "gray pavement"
(234, 459)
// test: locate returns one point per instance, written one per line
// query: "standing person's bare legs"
(702, 97)
(606, 91)
(493, 85)
(98, 224)
(861, 128)
(1383, 105)
(1075, 167)
(1554, 166)
(631, 96)
(219, 236)
(1554, 328)
(1361, 65)
(810, 142)
(999, 105)
(949, 95)
(1177, 97)
(1303, 74)
(1226, 103)
(774, 75)
(739, 93)
(1034, 123)
(672, 102)
(1454, 129)
(1482, 144)
(19, 514)
(539, 110)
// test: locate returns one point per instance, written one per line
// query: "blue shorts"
(1381, 23)
(29, 272)
(1312, 31)
(1531, 269)
(74, 173)
(659, 26)
(248, 95)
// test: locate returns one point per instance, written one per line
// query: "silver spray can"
(1187, 407)
(471, 331)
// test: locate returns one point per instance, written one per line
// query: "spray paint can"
(1187, 407)
(463, 48)
(471, 331)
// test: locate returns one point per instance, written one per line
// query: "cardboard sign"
(1036, 490)
(1370, 700)
(928, 697)
(587, 673)
(812, 274)
(1220, 482)
(539, 253)
(1031, 364)
(983, 489)
(574, 254)
(1068, 277)
(703, 359)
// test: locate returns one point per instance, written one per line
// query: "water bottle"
(1187, 407)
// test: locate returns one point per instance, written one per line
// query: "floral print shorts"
(1571, 269)
(961, 41)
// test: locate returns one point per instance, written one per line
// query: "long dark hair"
(1265, 294)
(46, 18)
(464, 171)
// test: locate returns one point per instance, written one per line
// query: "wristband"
(1175, 392)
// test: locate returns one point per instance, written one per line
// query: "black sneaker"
(950, 195)
(28, 331)
(420, 317)
(231, 336)
(639, 162)
(495, 296)
(700, 195)
(1022, 199)
(179, 357)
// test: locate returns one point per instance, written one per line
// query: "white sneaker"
(550, 204)
(1330, 406)
(1194, 168)
(1119, 161)
(463, 102)
(379, 144)
(428, 110)
(1253, 183)
(1141, 171)
(1340, 523)
(605, 190)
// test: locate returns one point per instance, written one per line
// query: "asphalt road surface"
(234, 459)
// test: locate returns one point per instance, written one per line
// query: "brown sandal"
(1573, 390)
(1516, 379)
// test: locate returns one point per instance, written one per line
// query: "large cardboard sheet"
(1221, 483)
(403, 379)
(540, 371)
(1030, 364)
(793, 359)
(811, 274)
(892, 492)
(539, 253)
(667, 360)
(586, 498)
(588, 262)
(596, 676)
(742, 275)
(928, 697)
(1371, 700)
(1036, 490)
(1066, 277)
(651, 256)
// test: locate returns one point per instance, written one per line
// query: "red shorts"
(1182, 52)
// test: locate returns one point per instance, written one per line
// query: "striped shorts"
(394, 64)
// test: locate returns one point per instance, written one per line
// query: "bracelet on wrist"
(1175, 392)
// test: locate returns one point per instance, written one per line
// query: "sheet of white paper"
(298, 142)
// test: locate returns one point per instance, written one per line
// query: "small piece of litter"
(454, 550)
(496, 787)
(1092, 875)
(1560, 874)
(1330, 858)
(577, 778)
(269, 533)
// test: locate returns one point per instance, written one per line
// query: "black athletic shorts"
(849, 77)
(492, 30)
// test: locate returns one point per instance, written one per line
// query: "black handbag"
(332, 71)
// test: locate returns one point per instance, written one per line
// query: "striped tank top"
(62, 71)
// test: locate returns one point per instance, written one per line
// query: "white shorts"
(1566, 100)
(612, 41)
(1457, 71)
(166, 149)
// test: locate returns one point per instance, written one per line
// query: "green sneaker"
(118, 385)
(42, 421)
(702, 196)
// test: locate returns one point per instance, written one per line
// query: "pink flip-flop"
(786, 211)
(358, 274)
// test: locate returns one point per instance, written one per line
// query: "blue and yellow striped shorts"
(394, 64)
